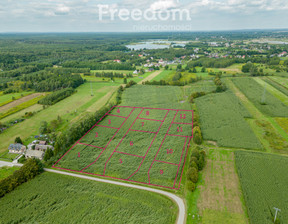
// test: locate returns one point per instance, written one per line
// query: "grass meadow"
(73, 200)
(220, 197)
(7, 171)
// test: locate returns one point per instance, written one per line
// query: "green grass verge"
(7, 171)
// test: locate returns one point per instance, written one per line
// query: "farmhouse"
(17, 148)
(37, 150)
(34, 154)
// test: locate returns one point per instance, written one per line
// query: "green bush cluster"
(197, 134)
(197, 163)
(27, 172)
(131, 83)
(220, 86)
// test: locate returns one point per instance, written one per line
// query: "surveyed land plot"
(135, 144)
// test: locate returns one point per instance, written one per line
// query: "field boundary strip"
(184, 151)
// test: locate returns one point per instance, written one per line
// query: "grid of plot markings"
(112, 123)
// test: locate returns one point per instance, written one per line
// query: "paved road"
(179, 201)
(3, 163)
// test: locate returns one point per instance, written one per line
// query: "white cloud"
(62, 10)
(163, 5)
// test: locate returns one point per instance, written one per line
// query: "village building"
(34, 154)
(17, 148)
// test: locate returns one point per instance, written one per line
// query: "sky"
(141, 15)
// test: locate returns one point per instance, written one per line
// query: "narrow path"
(179, 201)
(150, 77)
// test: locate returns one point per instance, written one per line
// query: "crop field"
(264, 182)
(273, 90)
(53, 198)
(282, 81)
(256, 93)
(201, 86)
(222, 118)
(165, 75)
(156, 97)
(278, 84)
(137, 144)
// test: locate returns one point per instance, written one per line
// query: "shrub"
(193, 159)
(201, 162)
(197, 135)
(18, 140)
(131, 83)
(194, 164)
(192, 174)
(195, 153)
(191, 186)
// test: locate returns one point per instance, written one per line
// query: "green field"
(256, 93)
(6, 98)
(165, 75)
(119, 81)
(264, 183)
(168, 97)
(51, 198)
(7, 171)
(278, 83)
(20, 114)
(70, 109)
(206, 86)
(280, 80)
(122, 164)
(21, 107)
(273, 90)
(222, 119)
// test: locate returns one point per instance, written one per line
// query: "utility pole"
(277, 210)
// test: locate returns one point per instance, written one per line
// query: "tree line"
(112, 75)
(28, 171)
(56, 96)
